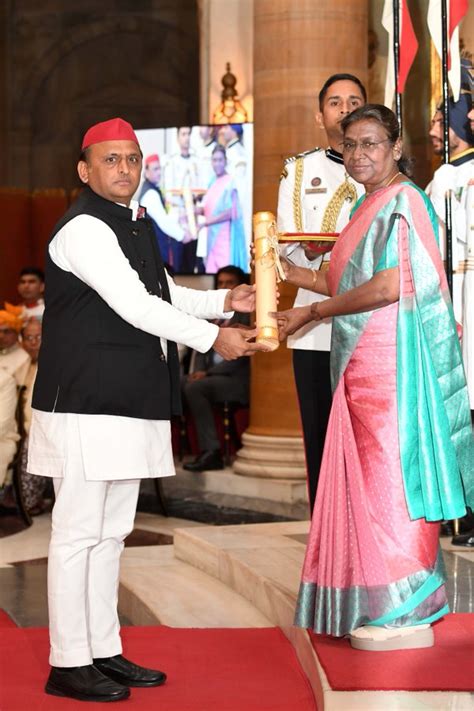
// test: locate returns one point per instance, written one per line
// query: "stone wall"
(66, 65)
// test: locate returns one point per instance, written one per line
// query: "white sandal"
(388, 639)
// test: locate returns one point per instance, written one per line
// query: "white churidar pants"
(89, 523)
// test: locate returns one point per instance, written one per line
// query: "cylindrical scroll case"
(265, 280)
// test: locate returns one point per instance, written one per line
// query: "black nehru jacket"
(162, 236)
(91, 360)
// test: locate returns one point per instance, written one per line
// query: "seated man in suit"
(212, 380)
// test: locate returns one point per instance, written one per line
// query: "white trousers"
(89, 523)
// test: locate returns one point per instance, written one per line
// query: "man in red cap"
(107, 385)
(169, 231)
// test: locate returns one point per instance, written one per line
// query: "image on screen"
(197, 189)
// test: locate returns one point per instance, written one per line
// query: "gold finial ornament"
(230, 110)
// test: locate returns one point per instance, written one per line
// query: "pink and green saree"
(225, 240)
(399, 452)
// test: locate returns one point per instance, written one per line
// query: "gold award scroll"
(264, 230)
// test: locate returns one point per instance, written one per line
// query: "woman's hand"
(302, 277)
(290, 270)
(291, 320)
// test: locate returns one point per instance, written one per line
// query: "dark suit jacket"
(239, 366)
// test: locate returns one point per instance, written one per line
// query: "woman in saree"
(223, 220)
(399, 451)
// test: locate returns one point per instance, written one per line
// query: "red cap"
(115, 129)
(154, 158)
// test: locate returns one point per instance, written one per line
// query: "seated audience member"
(8, 427)
(30, 288)
(32, 485)
(12, 356)
(212, 380)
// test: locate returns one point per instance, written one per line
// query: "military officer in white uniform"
(182, 168)
(240, 168)
(180, 175)
(457, 178)
(207, 135)
(316, 195)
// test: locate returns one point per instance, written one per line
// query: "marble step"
(260, 562)
(280, 497)
(156, 588)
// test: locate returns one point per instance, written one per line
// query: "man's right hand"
(232, 343)
(187, 237)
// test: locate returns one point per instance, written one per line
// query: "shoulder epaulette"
(291, 159)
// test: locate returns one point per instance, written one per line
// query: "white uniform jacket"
(458, 177)
(315, 195)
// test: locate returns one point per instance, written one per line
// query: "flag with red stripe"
(456, 10)
(408, 47)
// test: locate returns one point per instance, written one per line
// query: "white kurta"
(166, 222)
(313, 198)
(14, 359)
(119, 448)
(8, 427)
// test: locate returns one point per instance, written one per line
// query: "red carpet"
(448, 666)
(6, 621)
(208, 670)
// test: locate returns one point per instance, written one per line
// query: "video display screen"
(197, 188)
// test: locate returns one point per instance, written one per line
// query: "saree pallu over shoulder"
(223, 195)
(434, 424)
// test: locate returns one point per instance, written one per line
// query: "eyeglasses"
(31, 339)
(365, 146)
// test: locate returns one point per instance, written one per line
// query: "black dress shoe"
(465, 525)
(464, 539)
(124, 672)
(446, 528)
(85, 684)
(205, 462)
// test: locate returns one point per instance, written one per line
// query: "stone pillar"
(297, 45)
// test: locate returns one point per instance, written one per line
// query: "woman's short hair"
(219, 149)
(389, 122)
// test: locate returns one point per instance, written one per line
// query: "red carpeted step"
(448, 666)
(208, 670)
(6, 621)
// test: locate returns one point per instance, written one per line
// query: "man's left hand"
(241, 299)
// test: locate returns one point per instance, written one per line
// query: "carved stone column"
(298, 44)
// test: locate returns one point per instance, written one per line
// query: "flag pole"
(447, 199)
(448, 214)
(396, 60)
